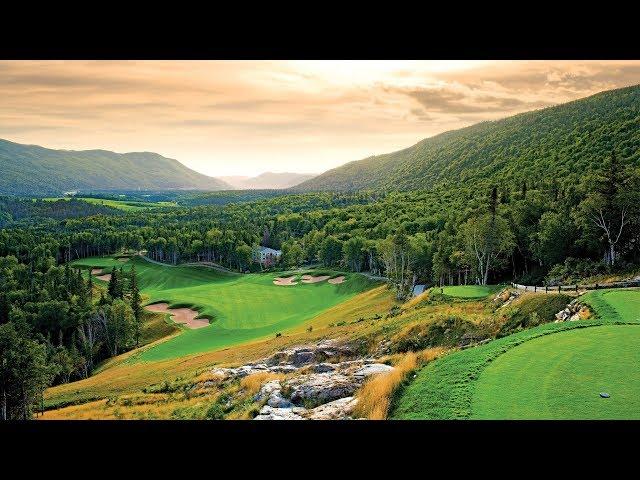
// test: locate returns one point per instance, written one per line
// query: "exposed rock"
(573, 312)
(269, 413)
(323, 368)
(340, 409)
(307, 354)
(319, 388)
(505, 297)
(372, 369)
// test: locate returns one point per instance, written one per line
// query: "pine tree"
(113, 287)
(136, 304)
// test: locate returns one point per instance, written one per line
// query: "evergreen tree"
(136, 304)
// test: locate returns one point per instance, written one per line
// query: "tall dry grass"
(251, 383)
(376, 395)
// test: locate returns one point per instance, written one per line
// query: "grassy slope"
(242, 307)
(445, 389)
(119, 376)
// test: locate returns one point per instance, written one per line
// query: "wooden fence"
(576, 288)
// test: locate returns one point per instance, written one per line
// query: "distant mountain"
(267, 180)
(34, 170)
(553, 143)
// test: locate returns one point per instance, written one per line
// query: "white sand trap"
(284, 281)
(184, 316)
(337, 280)
(105, 278)
(310, 279)
(96, 271)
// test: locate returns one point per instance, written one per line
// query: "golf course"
(240, 307)
(554, 371)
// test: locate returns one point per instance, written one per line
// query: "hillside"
(267, 180)
(34, 170)
(558, 141)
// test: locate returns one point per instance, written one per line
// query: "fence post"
(535, 288)
(546, 289)
(558, 288)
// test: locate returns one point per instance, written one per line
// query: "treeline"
(535, 231)
(55, 327)
(13, 209)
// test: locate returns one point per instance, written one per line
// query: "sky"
(248, 117)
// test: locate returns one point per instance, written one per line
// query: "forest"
(56, 325)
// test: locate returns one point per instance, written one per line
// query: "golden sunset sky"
(247, 117)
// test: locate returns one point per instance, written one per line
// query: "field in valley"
(125, 205)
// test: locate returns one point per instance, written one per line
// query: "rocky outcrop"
(505, 297)
(315, 387)
(340, 409)
(573, 312)
(324, 351)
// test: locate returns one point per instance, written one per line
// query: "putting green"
(560, 376)
(469, 291)
(242, 307)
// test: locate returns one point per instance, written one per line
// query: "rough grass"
(376, 395)
(445, 388)
(252, 383)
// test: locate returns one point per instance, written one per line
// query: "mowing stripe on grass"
(445, 388)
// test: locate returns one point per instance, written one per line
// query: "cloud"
(242, 117)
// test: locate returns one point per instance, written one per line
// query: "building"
(266, 256)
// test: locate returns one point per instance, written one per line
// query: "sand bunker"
(284, 281)
(96, 271)
(184, 316)
(310, 279)
(336, 280)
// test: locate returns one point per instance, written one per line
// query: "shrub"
(533, 311)
(445, 330)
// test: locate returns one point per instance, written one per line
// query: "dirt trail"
(184, 316)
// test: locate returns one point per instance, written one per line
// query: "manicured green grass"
(469, 291)
(447, 388)
(242, 307)
(126, 205)
(562, 375)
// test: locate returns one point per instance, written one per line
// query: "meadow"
(240, 307)
(125, 205)
(554, 371)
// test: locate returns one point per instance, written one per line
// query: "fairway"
(560, 376)
(469, 291)
(242, 307)
(553, 371)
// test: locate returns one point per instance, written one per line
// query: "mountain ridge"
(37, 170)
(553, 139)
